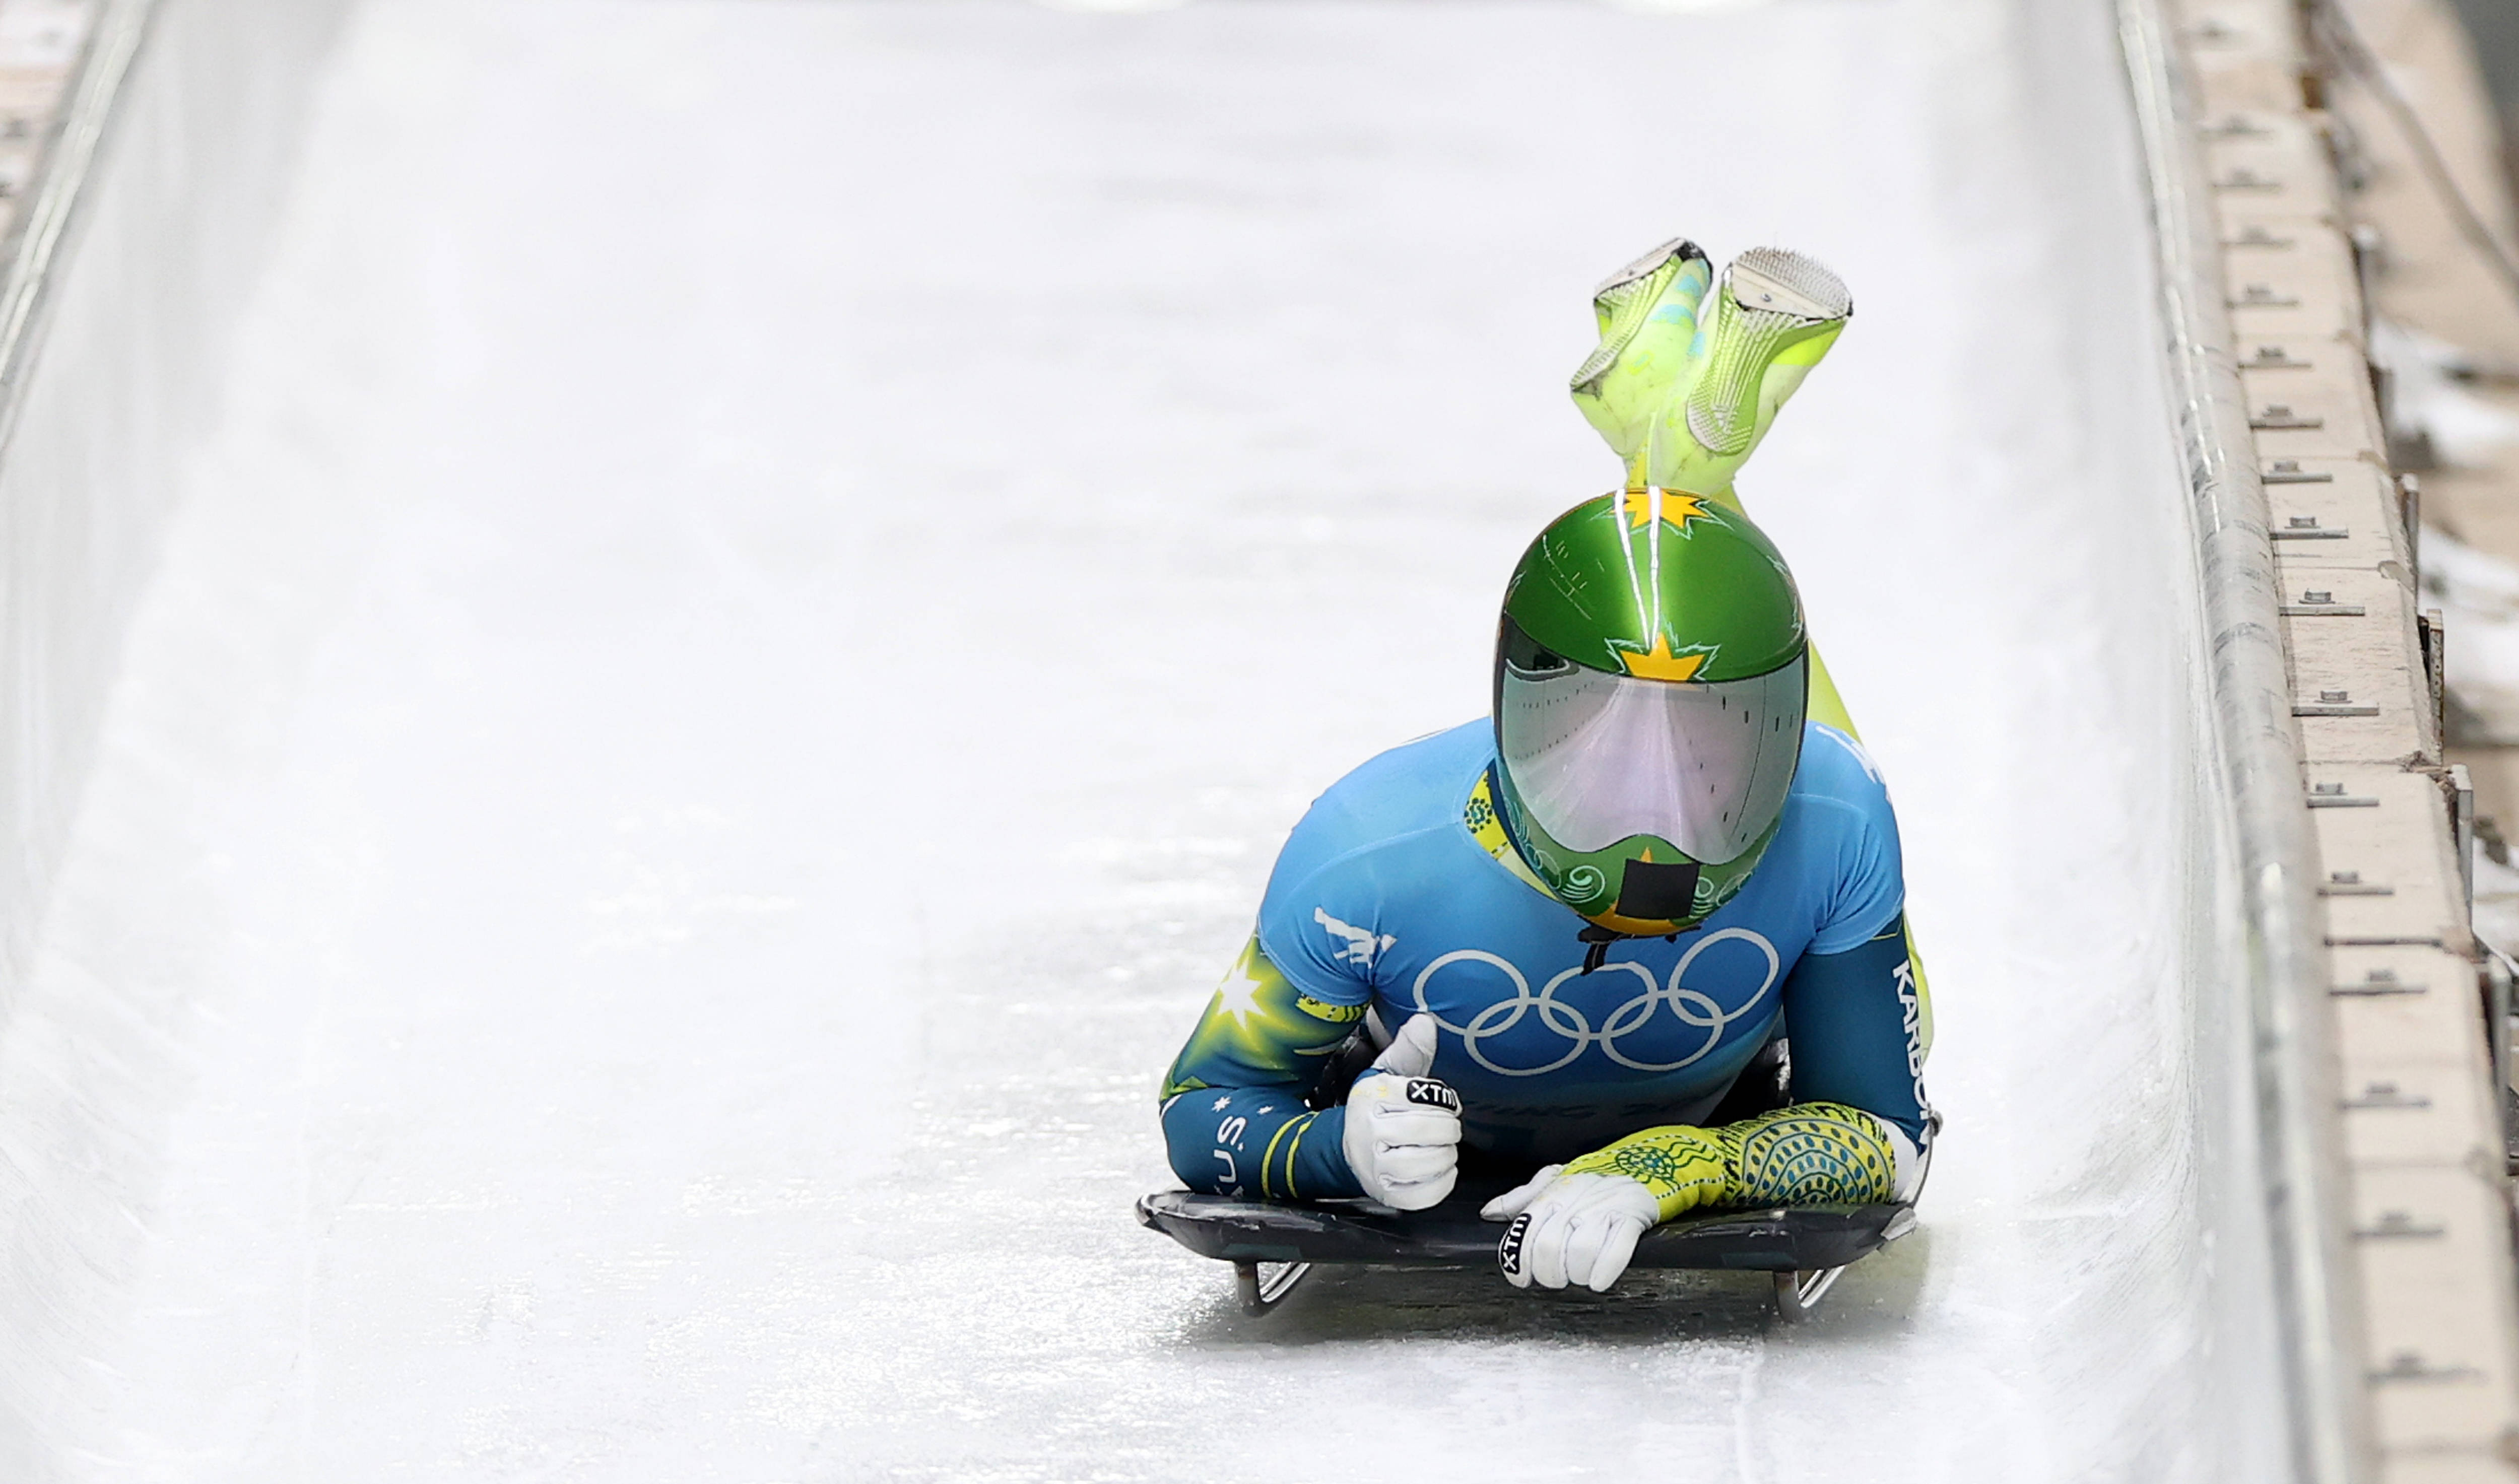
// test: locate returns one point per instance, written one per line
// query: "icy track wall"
(2267, 1139)
(162, 134)
(2340, 993)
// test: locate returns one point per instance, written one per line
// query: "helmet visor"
(1598, 757)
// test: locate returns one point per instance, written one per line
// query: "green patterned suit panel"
(1259, 1030)
(1233, 1104)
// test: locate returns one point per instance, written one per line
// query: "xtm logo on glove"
(1434, 1094)
(1509, 1250)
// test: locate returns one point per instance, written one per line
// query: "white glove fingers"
(1414, 1164)
(1402, 1135)
(1514, 1201)
(1419, 1194)
(1616, 1250)
(1544, 1244)
(1572, 1229)
(1587, 1235)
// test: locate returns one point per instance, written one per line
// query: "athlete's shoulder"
(1414, 786)
(1835, 770)
(1375, 838)
(1374, 821)
(1840, 841)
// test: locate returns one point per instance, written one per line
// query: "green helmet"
(1651, 679)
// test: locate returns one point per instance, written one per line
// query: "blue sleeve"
(1320, 919)
(1234, 1116)
(1324, 937)
(1258, 1140)
(1856, 1028)
(1233, 1110)
(1870, 878)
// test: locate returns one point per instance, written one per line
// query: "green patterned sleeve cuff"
(1810, 1154)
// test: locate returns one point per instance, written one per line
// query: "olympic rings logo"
(1690, 1007)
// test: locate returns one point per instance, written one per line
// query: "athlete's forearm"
(1233, 1104)
(1857, 1023)
(1810, 1154)
(1258, 1140)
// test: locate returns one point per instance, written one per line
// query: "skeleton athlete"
(1638, 941)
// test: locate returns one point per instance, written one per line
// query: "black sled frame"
(1272, 1246)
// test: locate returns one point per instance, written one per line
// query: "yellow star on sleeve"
(1259, 1028)
(1238, 995)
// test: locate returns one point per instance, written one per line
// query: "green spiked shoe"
(1777, 316)
(1690, 390)
(1648, 316)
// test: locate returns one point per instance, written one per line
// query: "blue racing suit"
(1399, 893)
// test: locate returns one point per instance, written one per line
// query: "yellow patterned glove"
(1579, 1222)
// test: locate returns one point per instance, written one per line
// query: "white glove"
(1571, 1227)
(1403, 1127)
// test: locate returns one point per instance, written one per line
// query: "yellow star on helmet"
(1660, 663)
(1678, 508)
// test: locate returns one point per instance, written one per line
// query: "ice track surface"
(771, 579)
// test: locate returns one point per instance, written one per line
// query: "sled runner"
(1272, 1245)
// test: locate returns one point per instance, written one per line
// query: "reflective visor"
(1598, 757)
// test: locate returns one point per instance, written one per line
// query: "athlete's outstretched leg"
(1690, 374)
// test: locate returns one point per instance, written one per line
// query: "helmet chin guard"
(1650, 890)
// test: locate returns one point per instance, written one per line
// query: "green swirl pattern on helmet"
(1588, 881)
